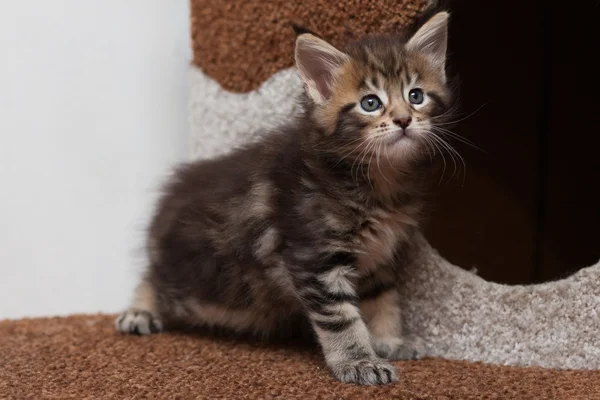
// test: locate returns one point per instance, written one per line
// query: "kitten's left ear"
(318, 62)
(432, 40)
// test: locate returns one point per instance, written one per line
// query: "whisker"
(454, 135)
(453, 153)
(387, 156)
(457, 137)
(346, 151)
(437, 147)
(429, 150)
(378, 166)
(369, 169)
(444, 114)
(363, 153)
(459, 120)
(450, 153)
(362, 164)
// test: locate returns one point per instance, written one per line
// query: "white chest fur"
(382, 232)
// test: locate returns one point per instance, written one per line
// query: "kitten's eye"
(415, 96)
(370, 103)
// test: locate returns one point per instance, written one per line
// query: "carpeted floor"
(82, 357)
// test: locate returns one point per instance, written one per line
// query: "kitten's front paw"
(365, 372)
(396, 349)
(138, 322)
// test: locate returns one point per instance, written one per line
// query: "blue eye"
(416, 96)
(370, 103)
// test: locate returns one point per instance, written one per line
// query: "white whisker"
(369, 168)
(453, 154)
(459, 120)
(378, 166)
(453, 135)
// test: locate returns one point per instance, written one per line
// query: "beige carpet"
(82, 357)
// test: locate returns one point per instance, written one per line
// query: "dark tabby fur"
(309, 223)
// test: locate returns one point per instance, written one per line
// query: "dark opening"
(529, 209)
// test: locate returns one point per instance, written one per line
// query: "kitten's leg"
(332, 306)
(381, 311)
(142, 317)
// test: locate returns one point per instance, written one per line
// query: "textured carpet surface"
(241, 43)
(82, 357)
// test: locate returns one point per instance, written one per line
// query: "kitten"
(308, 224)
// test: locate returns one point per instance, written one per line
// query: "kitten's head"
(380, 95)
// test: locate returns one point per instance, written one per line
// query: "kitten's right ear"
(318, 62)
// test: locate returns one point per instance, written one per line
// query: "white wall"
(93, 112)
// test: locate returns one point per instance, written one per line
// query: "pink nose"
(403, 122)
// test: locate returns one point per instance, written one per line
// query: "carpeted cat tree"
(243, 81)
(484, 340)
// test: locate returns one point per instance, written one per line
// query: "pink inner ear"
(318, 66)
(323, 82)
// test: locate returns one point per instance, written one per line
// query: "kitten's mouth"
(397, 136)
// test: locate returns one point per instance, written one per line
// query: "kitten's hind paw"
(365, 372)
(138, 322)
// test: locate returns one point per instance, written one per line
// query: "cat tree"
(242, 82)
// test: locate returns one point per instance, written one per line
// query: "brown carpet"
(82, 357)
(241, 43)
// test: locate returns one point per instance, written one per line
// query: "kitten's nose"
(403, 122)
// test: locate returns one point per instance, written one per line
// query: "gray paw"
(408, 348)
(138, 322)
(365, 372)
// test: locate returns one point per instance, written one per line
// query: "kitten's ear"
(432, 39)
(318, 62)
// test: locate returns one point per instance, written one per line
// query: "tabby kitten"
(307, 224)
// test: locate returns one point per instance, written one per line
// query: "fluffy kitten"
(309, 223)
